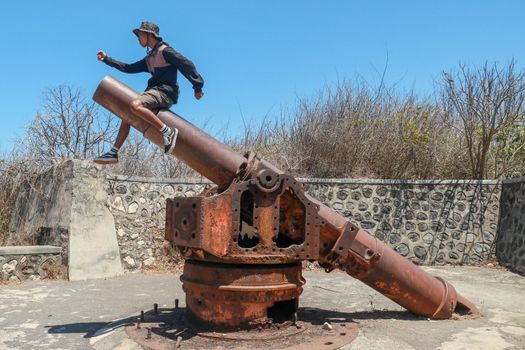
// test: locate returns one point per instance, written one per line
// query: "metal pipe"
(405, 283)
(209, 157)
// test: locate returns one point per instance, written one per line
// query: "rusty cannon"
(245, 239)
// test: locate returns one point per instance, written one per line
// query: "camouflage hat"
(148, 27)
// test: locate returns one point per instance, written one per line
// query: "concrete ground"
(90, 315)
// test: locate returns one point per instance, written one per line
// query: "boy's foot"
(170, 138)
(107, 158)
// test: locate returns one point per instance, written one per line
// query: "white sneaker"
(169, 140)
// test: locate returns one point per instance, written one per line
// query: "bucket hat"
(148, 27)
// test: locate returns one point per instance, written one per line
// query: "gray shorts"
(155, 100)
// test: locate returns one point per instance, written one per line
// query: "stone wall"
(138, 205)
(510, 248)
(30, 262)
(429, 222)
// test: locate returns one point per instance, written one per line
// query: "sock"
(165, 129)
(114, 150)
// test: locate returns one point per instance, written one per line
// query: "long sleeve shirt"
(163, 62)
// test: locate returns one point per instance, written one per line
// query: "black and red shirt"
(162, 62)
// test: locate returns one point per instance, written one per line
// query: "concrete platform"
(91, 314)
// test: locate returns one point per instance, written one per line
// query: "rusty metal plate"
(279, 226)
(169, 329)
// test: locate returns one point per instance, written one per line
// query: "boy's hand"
(101, 55)
(199, 94)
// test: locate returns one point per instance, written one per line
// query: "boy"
(162, 91)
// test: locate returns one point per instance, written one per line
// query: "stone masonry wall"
(429, 222)
(510, 247)
(81, 207)
(29, 262)
(139, 208)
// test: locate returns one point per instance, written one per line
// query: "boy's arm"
(186, 67)
(137, 67)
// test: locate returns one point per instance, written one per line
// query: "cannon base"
(173, 329)
(241, 306)
(230, 296)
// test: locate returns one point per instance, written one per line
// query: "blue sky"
(256, 57)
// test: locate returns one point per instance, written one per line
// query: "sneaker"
(107, 158)
(169, 140)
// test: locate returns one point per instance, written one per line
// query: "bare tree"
(487, 102)
(68, 127)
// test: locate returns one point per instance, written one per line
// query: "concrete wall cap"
(159, 180)
(362, 181)
(30, 249)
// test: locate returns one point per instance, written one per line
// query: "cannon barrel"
(342, 244)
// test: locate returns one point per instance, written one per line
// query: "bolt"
(142, 315)
(327, 326)
(148, 336)
(179, 340)
(156, 308)
(176, 303)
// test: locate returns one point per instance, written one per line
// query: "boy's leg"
(112, 156)
(122, 135)
(143, 107)
(137, 107)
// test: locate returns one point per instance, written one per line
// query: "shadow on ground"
(91, 329)
(172, 319)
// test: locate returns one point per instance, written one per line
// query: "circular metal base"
(315, 329)
(246, 296)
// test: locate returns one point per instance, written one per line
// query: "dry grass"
(170, 261)
(4, 283)
(55, 271)
(352, 130)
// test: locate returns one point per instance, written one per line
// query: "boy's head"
(145, 30)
